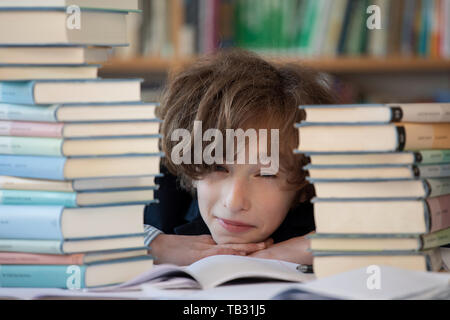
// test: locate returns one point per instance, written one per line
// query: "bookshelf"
(331, 65)
(419, 65)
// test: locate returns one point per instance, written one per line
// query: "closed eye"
(219, 168)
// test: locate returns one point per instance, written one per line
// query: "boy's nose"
(236, 198)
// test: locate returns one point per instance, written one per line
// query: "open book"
(213, 271)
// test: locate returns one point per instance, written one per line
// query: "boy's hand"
(292, 250)
(184, 250)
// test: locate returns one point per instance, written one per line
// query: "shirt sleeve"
(150, 234)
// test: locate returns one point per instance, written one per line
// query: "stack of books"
(78, 154)
(381, 174)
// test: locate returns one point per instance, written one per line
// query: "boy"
(241, 208)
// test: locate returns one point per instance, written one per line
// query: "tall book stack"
(382, 179)
(78, 154)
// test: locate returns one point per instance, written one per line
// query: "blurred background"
(406, 60)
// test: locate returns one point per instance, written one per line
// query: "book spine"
(439, 212)
(434, 260)
(421, 112)
(433, 171)
(35, 258)
(31, 222)
(433, 156)
(31, 146)
(51, 168)
(28, 112)
(31, 246)
(437, 187)
(426, 136)
(17, 92)
(31, 129)
(41, 276)
(27, 197)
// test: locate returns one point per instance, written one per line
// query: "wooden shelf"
(331, 65)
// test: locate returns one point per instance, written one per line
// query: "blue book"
(376, 172)
(45, 222)
(72, 246)
(79, 147)
(63, 168)
(76, 199)
(80, 113)
(74, 276)
(71, 91)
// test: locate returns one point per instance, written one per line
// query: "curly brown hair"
(233, 89)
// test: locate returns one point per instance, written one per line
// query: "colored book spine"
(31, 146)
(17, 92)
(32, 276)
(44, 113)
(33, 167)
(40, 259)
(32, 246)
(439, 211)
(31, 222)
(31, 129)
(27, 197)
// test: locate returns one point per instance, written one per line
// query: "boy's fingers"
(245, 247)
(268, 242)
(231, 251)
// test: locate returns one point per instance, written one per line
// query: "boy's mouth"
(234, 226)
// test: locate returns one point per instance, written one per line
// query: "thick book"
(217, 270)
(53, 55)
(33, 72)
(86, 112)
(376, 172)
(94, 274)
(372, 137)
(57, 222)
(69, 259)
(330, 263)
(405, 157)
(111, 184)
(381, 113)
(379, 242)
(78, 130)
(414, 189)
(71, 246)
(52, 26)
(70, 91)
(62, 168)
(120, 5)
(384, 216)
(76, 147)
(76, 199)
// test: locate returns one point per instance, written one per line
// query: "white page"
(395, 283)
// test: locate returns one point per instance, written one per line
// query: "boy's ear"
(194, 184)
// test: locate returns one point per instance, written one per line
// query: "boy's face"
(241, 206)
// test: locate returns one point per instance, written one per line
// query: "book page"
(216, 270)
